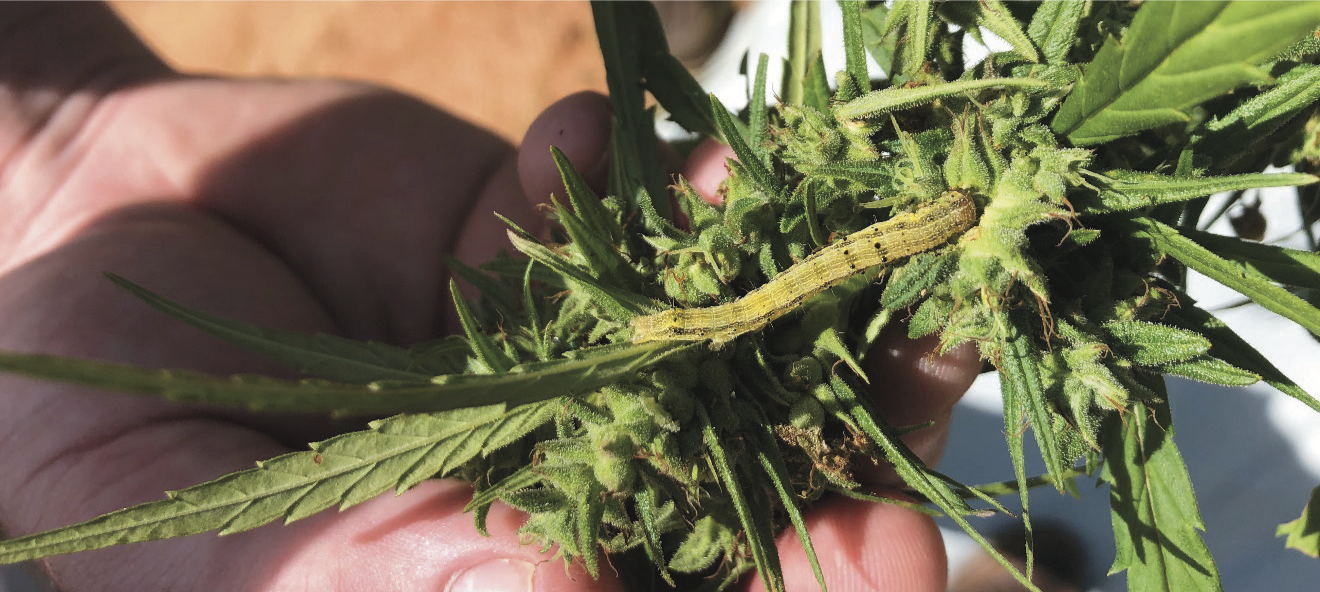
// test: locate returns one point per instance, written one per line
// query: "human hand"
(312, 206)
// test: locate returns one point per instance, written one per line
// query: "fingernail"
(495, 575)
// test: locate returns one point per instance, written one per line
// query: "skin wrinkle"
(300, 552)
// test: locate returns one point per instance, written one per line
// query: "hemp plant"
(1044, 204)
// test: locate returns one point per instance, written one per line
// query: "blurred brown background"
(497, 64)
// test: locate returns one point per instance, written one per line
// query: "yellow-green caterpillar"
(882, 243)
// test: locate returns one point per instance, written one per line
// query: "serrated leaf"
(747, 159)
(635, 171)
(1152, 506)
(1131, 190)
(1290, 267)
(1304, 532)
(1054, 29)
(621, 305)
(326, 356)
(588, 370)
(1024, 387)
(665, 77)
(772, 462)
(1228, 345)
(1226, 139)
(761, 542)
(1152, 344)
(1247, 281)
(344, 471)
(994, 15)
(758, 122)
(1174, 56)
(644, 501)
(803, 47)
(880, 102)
(854, 49)
(1212, 370)
(707, 541)
(934, 487)
(911, 281)
(488, 353)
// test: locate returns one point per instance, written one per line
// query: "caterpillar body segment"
(880, 244)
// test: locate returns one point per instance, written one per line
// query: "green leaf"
(911, 281)
(880, 102)
(636, 174)
(1229, 138)
(914, 473)
(747, 159)
(621, 305)
(326, 356)
(803, 48)
(917, 19)
(1024, 386)
(994, 15)
(1054, 29)
(644, 501)
(588, 370)
(665, 77)
(1152, 344)
(1245, 280)
(758, 123)
(1212, 370)
(762, 543)
(707, 541)
(1304, 532)
(1131, 190)
(483, 498)
(345, 470)
(772, 462)
(1227, 345)
(489, 287)
(854, 47)
(1174, 56)
(488, 353)
(1290, 267)
(1152, 506)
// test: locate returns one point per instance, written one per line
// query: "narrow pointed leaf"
(344, 470)
(747, 158)
(666, 78)
(762, 543)
(772, 462)
(877, 103)
(1054, 29)
(912, 470)
(634, 162)
(1229, 346)
(1130, 190)
(803, 47)
(1154, 513)
(1228, 138)
(854, 48)
(1153, 344)
(1304, 532)
(1292, 267)
(994, 15)
(1174, 56)
(591, 369)
(1247, 281)
(621, 305)
(488, 353)
(325, 356)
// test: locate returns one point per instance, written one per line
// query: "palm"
(312, 206)
(315, 207)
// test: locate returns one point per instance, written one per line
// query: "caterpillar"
(882, 243)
